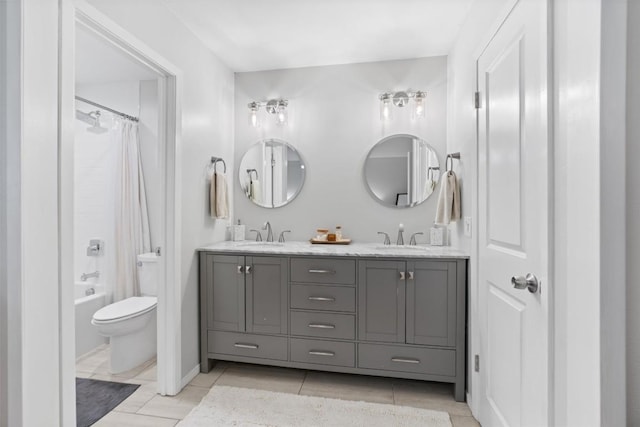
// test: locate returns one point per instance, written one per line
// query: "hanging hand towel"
(219, 198)
(448, 209)
(255, 193)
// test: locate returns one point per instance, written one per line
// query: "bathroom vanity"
(362, 309)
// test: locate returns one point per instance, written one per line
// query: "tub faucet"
(267, 227)
(85, 276)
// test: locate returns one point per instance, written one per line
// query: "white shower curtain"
(132, 235)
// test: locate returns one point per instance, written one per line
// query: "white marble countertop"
(372, 250)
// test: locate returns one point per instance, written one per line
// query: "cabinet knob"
(411, 275)
(402, 274)
(247, 269)
(240, 269)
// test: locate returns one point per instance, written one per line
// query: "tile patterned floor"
(146, 408)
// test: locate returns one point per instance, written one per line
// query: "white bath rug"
(242, 407)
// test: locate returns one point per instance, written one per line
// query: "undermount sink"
(261, 244)
(400, 247)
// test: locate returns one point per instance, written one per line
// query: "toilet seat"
(125, 309)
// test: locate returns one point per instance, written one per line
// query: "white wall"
(10, 245)
(333, 123)
(612, 250)
(633, 207)
(462, 136)
(36, 288)
(207, 130)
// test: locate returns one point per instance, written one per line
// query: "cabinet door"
(225, 293)
(267, 308)
(431, 303)
(381, 297)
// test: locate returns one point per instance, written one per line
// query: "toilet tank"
(148, 274)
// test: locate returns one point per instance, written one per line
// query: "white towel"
(448, 209)
(219, 199)
(254, 192)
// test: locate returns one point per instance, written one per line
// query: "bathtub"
(87, 337)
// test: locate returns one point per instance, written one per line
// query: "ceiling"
(252, 35)
(99, 62)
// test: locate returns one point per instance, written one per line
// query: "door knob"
(530, 282)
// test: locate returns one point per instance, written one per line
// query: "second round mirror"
(401, 171)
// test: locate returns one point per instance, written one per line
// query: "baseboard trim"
(191, 375)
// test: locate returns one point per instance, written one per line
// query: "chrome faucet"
(387, 241)
(267, 227)
(412, 241)
(85, 276)
(400, 240)
(281, 238)
(258, 235)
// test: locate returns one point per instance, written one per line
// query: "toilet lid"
(125, 308)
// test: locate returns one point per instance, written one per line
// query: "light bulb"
(419, 107)
(281, 113)
(385, 107)
(253, 115)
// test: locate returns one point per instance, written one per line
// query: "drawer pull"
(321, 326)
(322, 353)
(327, 299)
(250, 346)
(317, 271)
(403, 360)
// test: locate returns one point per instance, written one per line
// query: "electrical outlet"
(467, 226)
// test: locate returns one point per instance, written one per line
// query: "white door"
(513, 179)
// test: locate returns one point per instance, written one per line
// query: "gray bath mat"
(95, 399)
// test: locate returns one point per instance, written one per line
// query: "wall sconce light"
(401, 99)
(277, 107)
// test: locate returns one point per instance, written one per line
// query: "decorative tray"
(326, 242)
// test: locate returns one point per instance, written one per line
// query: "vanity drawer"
(323, 297)
(323, 352)
(325, 325)
(249, 345)
(407, 359)
(323, 270)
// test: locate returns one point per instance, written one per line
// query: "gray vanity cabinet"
(411, 302)
(381, 301)
(224, 292)
(240, 298)
(393, 316)
(247, 294)
(431, 303)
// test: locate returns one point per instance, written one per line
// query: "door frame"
(475, 346)
(78, 12)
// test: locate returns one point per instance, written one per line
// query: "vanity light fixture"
(277, 107)
(401, 99)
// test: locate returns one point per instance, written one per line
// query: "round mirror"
(401, 171)
(271, 173)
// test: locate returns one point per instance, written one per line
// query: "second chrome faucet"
(400, 239)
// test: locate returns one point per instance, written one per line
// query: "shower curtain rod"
(95, 104)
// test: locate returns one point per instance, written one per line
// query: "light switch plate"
(467, 226)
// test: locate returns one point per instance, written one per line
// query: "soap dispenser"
(436, 235)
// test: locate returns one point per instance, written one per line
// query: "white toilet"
(131, 323)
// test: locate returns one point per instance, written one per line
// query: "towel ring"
(430, 170)
(451, 157)
(215, 160)
(250, 172)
